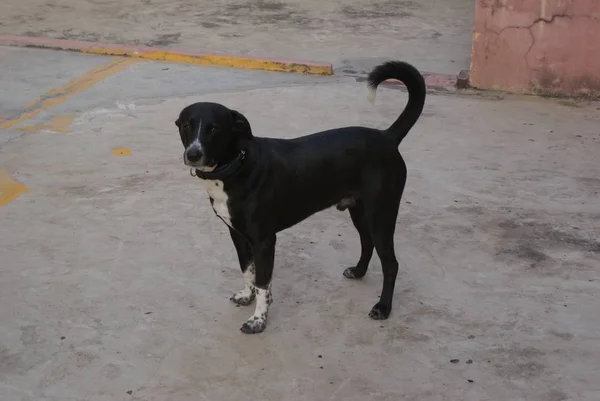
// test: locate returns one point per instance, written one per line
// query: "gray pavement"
(115, 273)
(28, 74)
(354, 35)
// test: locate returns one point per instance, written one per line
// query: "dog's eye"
(210, 132)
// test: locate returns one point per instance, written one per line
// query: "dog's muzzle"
(193, 155)
(194, 158)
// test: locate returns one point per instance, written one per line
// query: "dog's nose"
(194, 154)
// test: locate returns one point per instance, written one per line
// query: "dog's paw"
(254, 325)
(353, 273)
(244, 297)
(380, 311)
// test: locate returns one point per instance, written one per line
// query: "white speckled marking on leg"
(257, 322)
(247, 295)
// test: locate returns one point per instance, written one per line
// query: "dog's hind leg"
(384, 244)
(381, 212)
(244, 252)
(357, 213)
(264, 257)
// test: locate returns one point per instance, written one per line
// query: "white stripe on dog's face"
(196, 138)
(194, 144)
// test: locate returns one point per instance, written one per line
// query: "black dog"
(260, 186)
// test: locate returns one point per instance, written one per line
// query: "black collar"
(222, 172)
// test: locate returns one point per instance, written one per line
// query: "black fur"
(273, 184)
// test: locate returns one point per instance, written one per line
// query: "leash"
(221, 172)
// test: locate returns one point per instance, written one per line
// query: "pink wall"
(537, 46)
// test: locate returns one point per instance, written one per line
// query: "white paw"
(254, 325)
(244, 297)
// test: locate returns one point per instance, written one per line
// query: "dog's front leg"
(264, 255)
(244, 252)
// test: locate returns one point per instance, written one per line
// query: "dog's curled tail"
(414, 82)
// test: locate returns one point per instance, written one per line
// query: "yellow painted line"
(10, 189)
(121, 152)
(218, 61)
(59, 95)
(60, 124)
(172, 56)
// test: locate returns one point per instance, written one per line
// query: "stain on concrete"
(67, 364)
(590, 183)
(29, 335)
(230, 35)
(424, 311)
(265, 12)
(377, 10)
(529, 228)
(135, 183)
(515, 362)
(9, 362)
(404, 334)
(74, 34)
(164, 39)
(111, 371)
(569, 103)
(121, 151)
(337, 245)
(256, 5)
(562, 336)
(18, 363)
(533, 242)
(527, 252)
(554, 236)
(555, 395)
(209, 25)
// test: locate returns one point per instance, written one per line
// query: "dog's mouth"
(200, 165)
(197, 167)
(205, 169)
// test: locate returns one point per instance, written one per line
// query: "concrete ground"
(115, 273)
(354, 35)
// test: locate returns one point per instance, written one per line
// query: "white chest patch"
(219, 199)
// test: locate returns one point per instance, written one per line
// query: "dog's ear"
(177, 123)
(241, 126)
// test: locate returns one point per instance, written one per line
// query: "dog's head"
(211, 134)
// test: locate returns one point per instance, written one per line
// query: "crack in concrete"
(529, 27)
